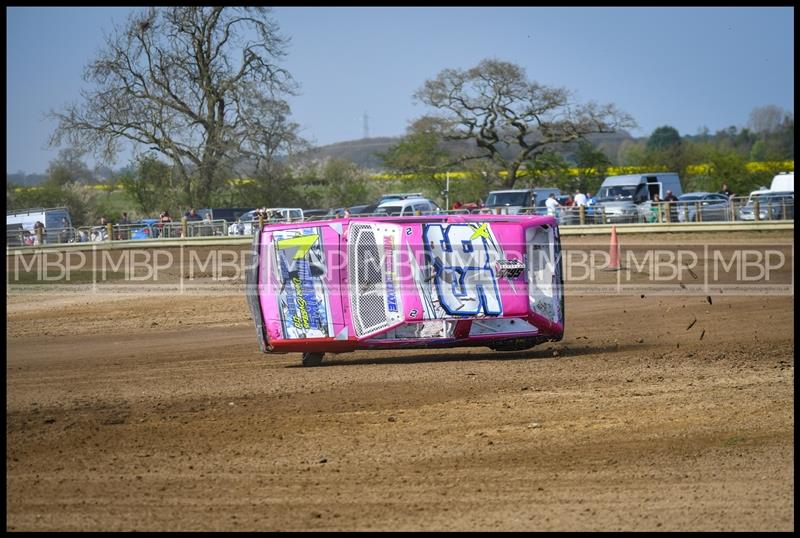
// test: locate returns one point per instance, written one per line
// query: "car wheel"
(517, 344)
(312, 359)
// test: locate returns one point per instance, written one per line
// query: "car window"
(391, 210)
(420, 207)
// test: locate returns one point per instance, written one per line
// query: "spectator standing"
(672, 203)
(457, 204)
(590, 201)
(124, 230)
(64, 231)
(192, 215)
(552, 204)
(207, 228)
(38, 232)
(655, 208)
(580, 198)
(726, 191)
(163, 219)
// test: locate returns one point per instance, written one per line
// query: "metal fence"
(743, 209)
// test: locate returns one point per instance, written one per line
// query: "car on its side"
(395, 282)
(704, 207)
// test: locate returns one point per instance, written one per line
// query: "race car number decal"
(463, 257)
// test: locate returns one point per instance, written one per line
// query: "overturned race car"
(406, 282)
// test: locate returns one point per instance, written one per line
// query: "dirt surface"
(154, 410)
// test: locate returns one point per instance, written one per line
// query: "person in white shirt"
(580, 198)
(552, 204)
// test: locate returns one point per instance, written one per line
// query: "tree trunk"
(511, 177)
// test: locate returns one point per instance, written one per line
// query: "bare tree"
(510, 118)
(767, 119)
(200, 85)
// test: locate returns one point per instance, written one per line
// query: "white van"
(57, 223)
(783, 182)
(625, 198)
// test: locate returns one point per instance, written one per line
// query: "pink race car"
(406, 282)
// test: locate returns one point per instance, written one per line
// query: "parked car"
(244, 225)
(399, 196)
(713, 206)
(360, 209)
(469, 280)
(771, 206)
(229, 214)
(315, 214)
(144, 229)
(407, 207)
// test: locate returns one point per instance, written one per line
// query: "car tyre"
(312, 359)
(517, 344)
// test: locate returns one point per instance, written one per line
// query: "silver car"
(771, 206)
(704, 207)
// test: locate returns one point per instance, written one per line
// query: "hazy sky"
(684, 67)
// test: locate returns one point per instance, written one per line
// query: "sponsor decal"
(388, 264)
(303, 298)
(509, 268)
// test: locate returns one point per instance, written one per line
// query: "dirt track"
(157, 412)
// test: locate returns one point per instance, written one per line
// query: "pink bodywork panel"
(308, 303)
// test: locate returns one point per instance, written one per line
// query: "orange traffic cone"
(613, 251)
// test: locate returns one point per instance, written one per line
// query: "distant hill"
(364, 152)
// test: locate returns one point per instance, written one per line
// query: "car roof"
(779, 193)
(404, 202)
(512, 190)
(697, 193)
